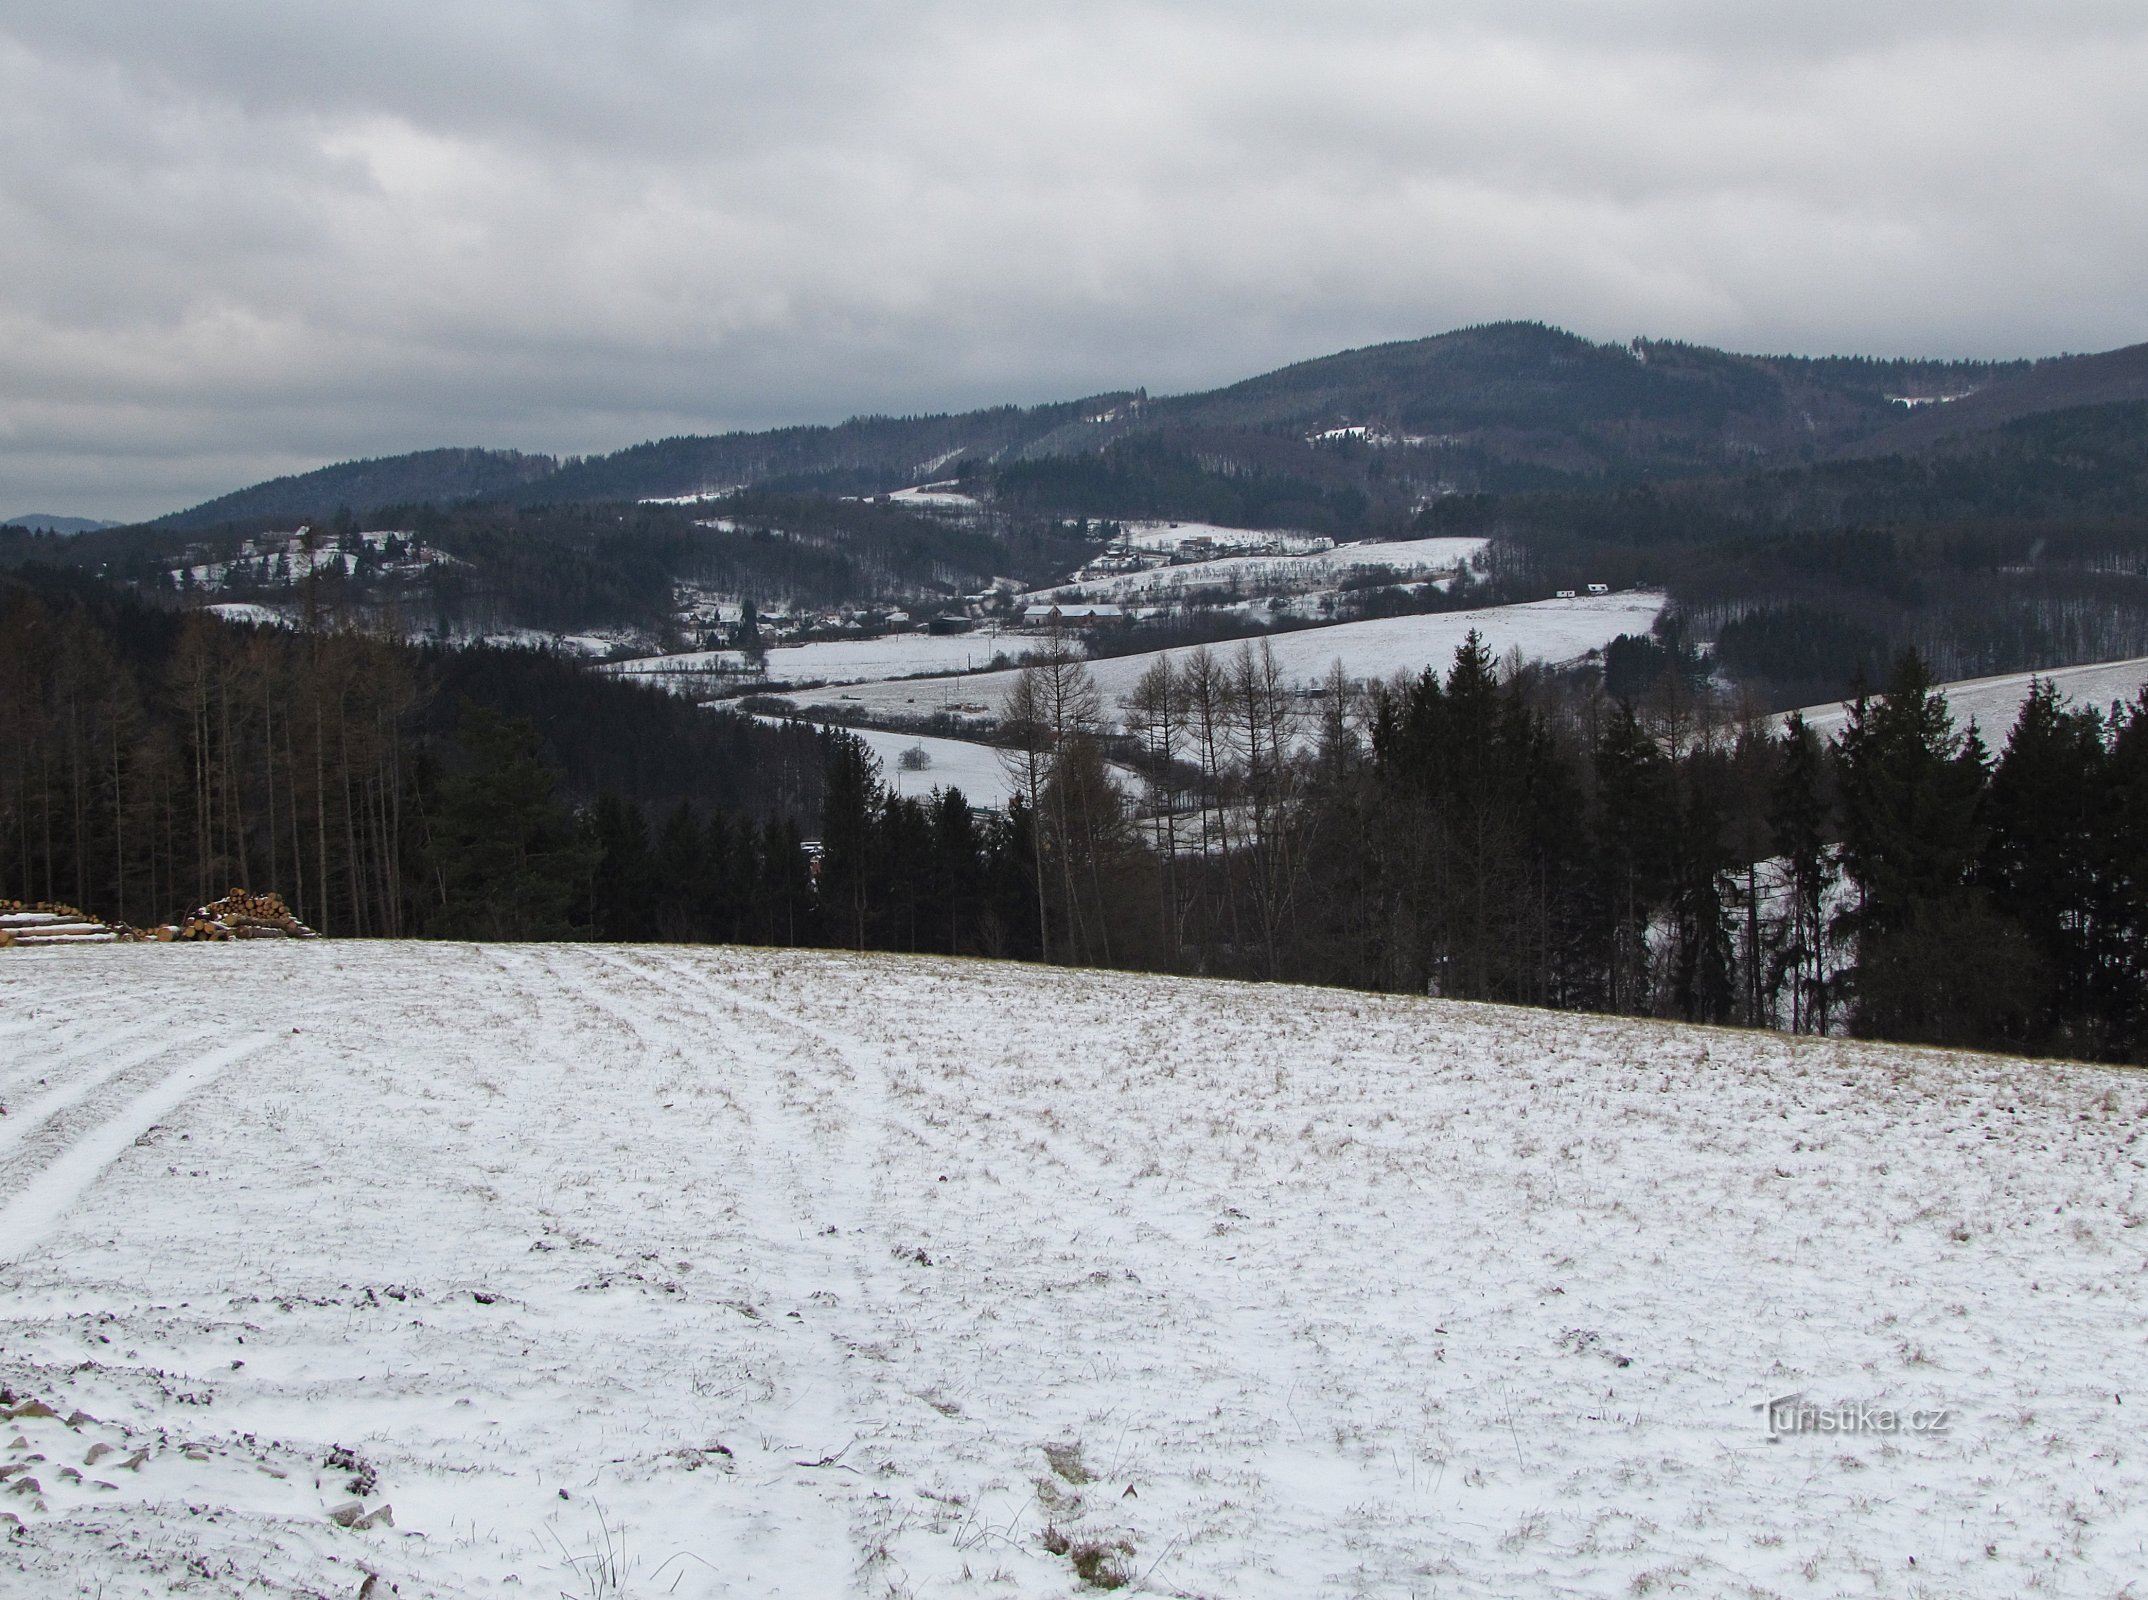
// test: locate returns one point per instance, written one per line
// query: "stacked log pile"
(51, 922)
(240, 915)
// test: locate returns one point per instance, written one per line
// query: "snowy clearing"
(1548, 630)
(846, 660)
(978, 770)
(1994, 703)
(245, 611)
(1167, 536)
(975, 769)
(1408, 559)
(944, 496)
(725, 1272)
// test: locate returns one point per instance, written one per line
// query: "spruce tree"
(1798, 827)
(2124, 867)
(1703, 985)
(623, 884)
(850, 799)
(1636, 824)
(680, 894)
(507, 856)
(2047, 816)
(1934, 962)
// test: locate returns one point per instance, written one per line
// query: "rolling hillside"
(1474, 407)
(2112, 377)
(1557, 631)
(617, 1271)
(427, 476)
(1994, 703)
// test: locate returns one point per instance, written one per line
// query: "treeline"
(151, 759)
(2020, 548)
(2085, 464)
(1162, 475)
(564, 568)
(1477, 834)
(1523, 840)
(889, 872)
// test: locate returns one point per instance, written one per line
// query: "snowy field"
(940, 496)
(1994, 703)
(247, 612)
(1166, 536)
(1549, 630)
(1408, 559)
(975, 769)
(724, 1272)
(846, 660)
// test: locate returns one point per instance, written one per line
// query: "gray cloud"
(245, 238)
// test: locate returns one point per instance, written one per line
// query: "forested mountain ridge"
(1810, 518)
(2022, 547)
(423, 477)
(2062, 383)
(1496, 406)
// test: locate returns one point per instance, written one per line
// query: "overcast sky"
(246, 237)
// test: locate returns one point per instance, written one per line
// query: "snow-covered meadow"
(1264, 576)
(1994, 703)
(978, 770)
(892, 655)
(1547, 630)
(1167, 535)
(729, 1272)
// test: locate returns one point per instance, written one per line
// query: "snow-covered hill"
(722, 1272)
(892, 655)
(1994, 703)
(1273, 575)
(1548, 630)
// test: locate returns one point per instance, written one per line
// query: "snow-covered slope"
(843, 660)
(1550, 630)
(728, 1272)
(1273, 575)
(1994, 703)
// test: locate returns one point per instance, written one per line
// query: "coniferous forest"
(1477, 833)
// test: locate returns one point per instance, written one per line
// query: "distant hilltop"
(1497, 408)
(46, 522)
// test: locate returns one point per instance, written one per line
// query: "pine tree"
(679, 897)
(2048, 816)
(1934, 963)
(1798, 827)
(957, 873)
(623, 884)
(1702, 976)
(1636, 823)
(850, 801)
(507, 855)
(2124, 865)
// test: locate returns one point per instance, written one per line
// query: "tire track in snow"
(825, 1232)
(36, 1208)
(33, 1068)
(865, 1111)
(23, 1125)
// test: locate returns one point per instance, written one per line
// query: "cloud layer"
(247, 237)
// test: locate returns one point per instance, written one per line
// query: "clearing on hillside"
(726, 1272)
